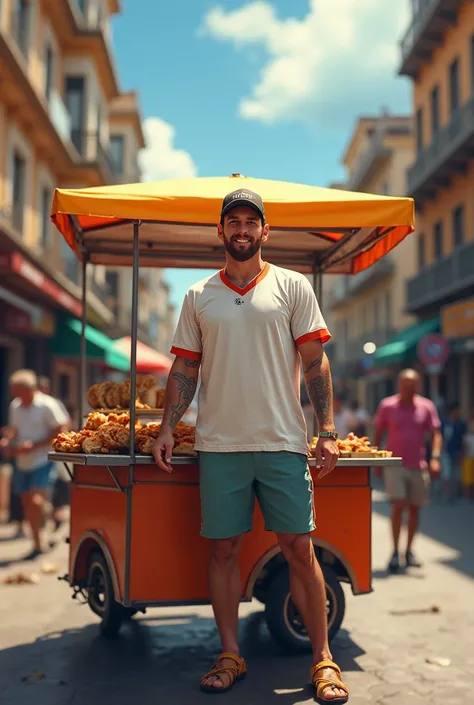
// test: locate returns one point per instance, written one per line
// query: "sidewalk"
(383, 647)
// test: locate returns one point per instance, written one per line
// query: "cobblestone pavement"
(384, 647)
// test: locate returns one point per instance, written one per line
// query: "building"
(60, 119)
(368, 309)
(437, 53)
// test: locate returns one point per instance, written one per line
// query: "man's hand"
(435, 466)
(163, 450)
(326, 455)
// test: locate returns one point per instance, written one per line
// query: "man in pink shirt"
(407, 418)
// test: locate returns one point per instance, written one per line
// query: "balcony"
(359, 283)
(371, 159)
(426, 32)
(442, 282)
(447, 154)
(94, 154)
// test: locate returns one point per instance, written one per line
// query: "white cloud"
(342, 57)
(161, 159)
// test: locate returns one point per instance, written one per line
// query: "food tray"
(138, 412)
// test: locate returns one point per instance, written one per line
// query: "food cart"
(129, 546)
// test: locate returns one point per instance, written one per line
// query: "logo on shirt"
(238, 302)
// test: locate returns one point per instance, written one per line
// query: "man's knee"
(297, 548)
(413, 509)
(398, 505)
(37, 498)
(226, 550)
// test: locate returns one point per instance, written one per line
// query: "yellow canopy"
(310, 227)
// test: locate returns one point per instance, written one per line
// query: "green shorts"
(280, 480)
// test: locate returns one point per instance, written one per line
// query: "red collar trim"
(225, 280)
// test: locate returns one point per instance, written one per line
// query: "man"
(60, 492)
(343, 419)
(453, 430)
(34, 420)
(243, 329)
(407, 418)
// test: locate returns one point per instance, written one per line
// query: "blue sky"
(267, 88)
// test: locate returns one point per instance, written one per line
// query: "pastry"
(95, 420)
(92, 396)
(102, 393)
(112, 396)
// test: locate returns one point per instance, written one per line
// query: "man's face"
(24, 394)
(242, 233)
(408, 387)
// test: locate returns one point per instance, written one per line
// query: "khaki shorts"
(407, 484)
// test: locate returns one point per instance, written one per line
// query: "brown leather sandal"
(232, 673)
(322, 684)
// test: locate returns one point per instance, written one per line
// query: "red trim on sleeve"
(189, 354)
(322, 334)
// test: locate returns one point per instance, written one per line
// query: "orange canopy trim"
(307, 219)
(148, 360)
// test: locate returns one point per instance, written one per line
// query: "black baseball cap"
(243, 197)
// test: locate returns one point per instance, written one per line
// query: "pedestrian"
(61, 487)
(344, 420)
(453, 430)
(407, 418)
(245, 329)
(468, 462)
(34, 420)
(360, 419)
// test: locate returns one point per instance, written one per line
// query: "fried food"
(92, 396)
(70, 442)
(104, 387)
(94, 444)
(114, 436)
(124, 394)
(160, 398)
(95, 420)
(184, 449)
(352, 445)
(145, 438)
(112, 396)
(145, 384)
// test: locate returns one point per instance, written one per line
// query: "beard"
(239, 253)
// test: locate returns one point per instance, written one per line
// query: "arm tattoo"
(320, 391)
(187, 389)
(192, 363)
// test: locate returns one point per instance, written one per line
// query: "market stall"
(123, 510)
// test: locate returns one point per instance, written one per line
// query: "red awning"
(148, 360)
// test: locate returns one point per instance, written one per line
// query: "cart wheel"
(283, 619)
(100, 596)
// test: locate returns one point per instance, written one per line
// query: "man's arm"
(180, 391)
(317, 374)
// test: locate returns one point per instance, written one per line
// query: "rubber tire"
(113, 614)
(275, 609)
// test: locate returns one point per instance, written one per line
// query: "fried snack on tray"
(145, 438)
(160, 398)
(69, 442)
(352, 446)
(145, 384)
(92, 396)
(95, 420)
(104, 388)
(112, 396)
(124, 394)
(184, 449)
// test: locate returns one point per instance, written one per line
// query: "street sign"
(433, 351)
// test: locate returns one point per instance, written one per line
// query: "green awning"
(99, 347)
(402, 347)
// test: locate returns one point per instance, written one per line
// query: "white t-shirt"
(343, 421)
(35, 423)
(250, 367)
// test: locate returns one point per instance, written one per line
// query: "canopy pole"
(133, 410)
(81, 393)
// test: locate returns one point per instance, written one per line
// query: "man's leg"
(34, 504)
(225, 587)
(413, 523)
(418, 496)
(397, 515)
(308, 591)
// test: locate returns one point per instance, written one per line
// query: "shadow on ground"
(157, 659)
(449, 524)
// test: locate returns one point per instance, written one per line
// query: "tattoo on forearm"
(187, 389)
(192, 363)
(314, 363)
(320, 391)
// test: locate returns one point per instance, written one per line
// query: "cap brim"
(243, 202)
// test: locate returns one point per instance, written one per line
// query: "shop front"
(457, 324)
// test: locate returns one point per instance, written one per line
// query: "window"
(19, 175)
(117, 152)
(421, 251)
(435, 111)
(454, 85)
(46, 198)
(458, 226)
(419, 129)
(438, 240)
(49, 71)
(75, 97)
(20, 24)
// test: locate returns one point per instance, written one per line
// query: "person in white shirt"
(34, 420)
(343, 419)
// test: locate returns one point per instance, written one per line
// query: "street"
(384, 647)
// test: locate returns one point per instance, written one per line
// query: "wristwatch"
(329, 434)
